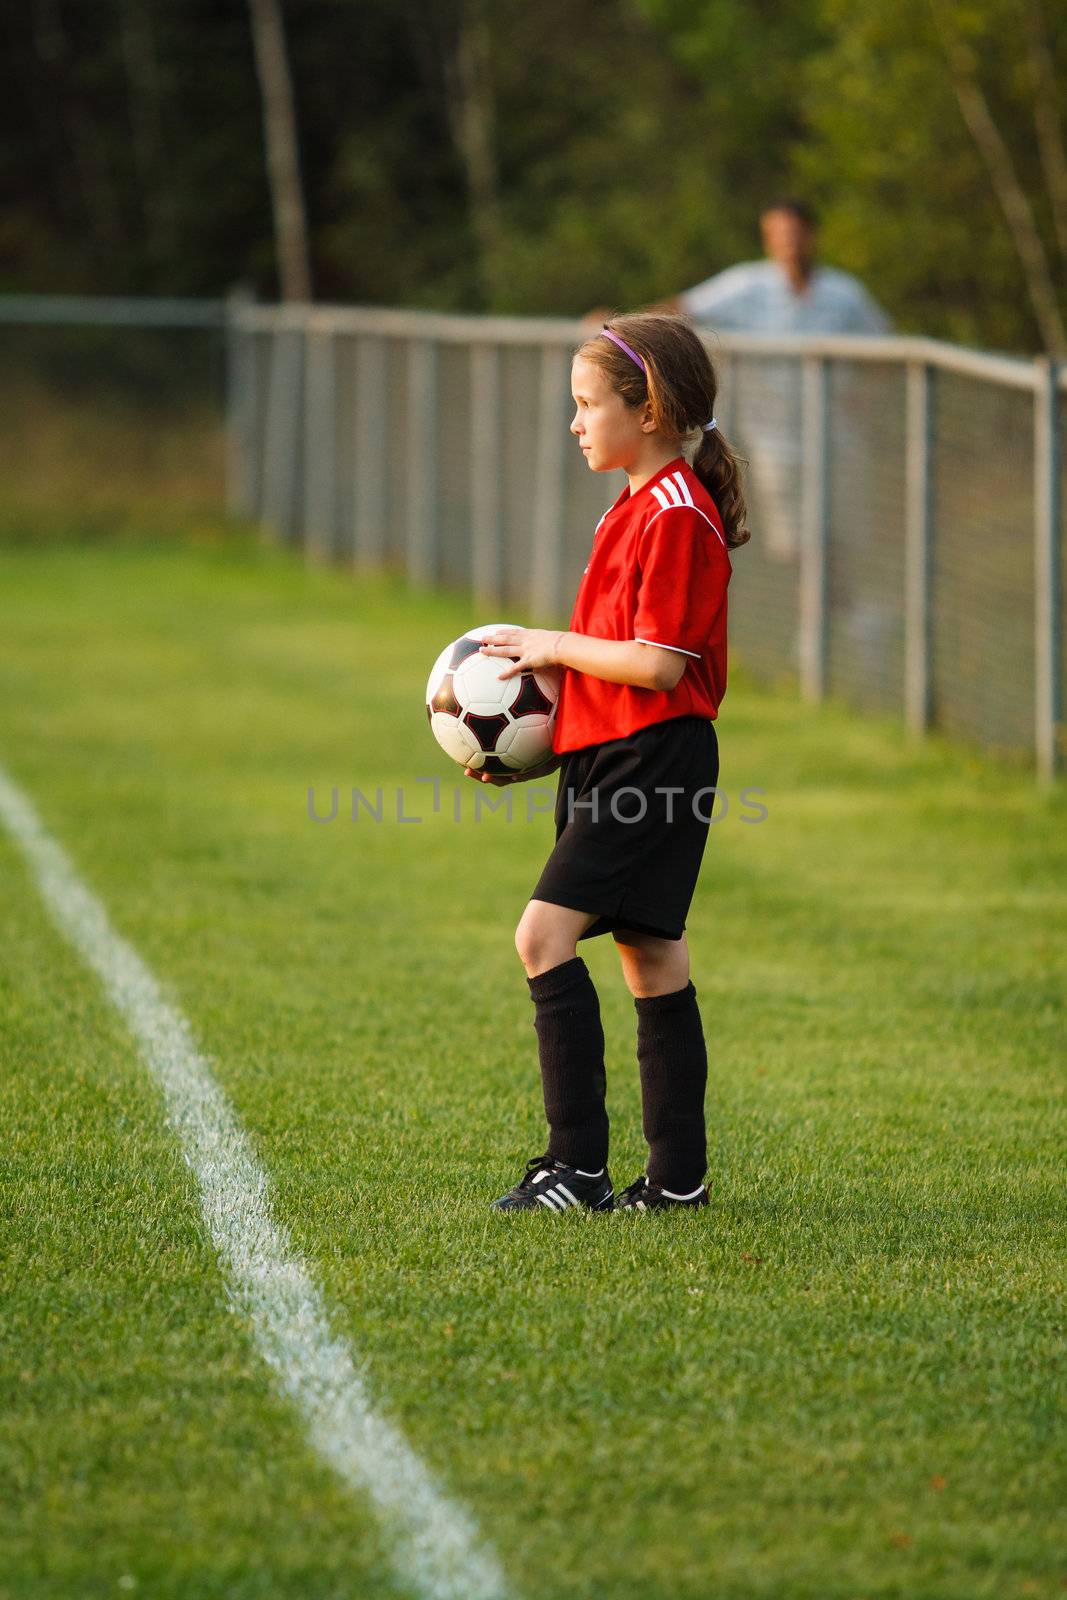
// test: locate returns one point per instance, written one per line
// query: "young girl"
(638, 756)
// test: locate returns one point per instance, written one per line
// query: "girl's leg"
(652, 966)
(672, 1056)
(569, 1033)
(548, 934)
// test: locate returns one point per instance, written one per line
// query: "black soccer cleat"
(550, 1185)
(645, 1196)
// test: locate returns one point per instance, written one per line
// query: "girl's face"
(610, 432)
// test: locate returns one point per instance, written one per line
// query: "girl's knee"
(535, 937)
(525, 942)
(654, 966)
(547, 934)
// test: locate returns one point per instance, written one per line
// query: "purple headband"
(633, 355)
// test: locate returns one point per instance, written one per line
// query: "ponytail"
(717, 468)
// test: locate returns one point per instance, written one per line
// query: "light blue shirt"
(757, 297)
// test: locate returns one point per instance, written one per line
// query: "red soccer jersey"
(658, 572)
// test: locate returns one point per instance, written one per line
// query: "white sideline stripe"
(436, 1547)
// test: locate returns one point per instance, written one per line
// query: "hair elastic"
(709, 426)
(633, 355)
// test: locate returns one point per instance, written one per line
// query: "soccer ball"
(483, 722)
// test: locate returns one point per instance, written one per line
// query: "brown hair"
(679, 383)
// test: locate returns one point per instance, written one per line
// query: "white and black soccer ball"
(484, 722)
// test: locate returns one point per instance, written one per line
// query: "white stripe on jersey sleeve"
(699, 513)
(672, 490)
(677, 647)
(684, 487)
(661, 497)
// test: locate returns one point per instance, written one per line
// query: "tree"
(493, 155)
(922, 151)
(283, 161)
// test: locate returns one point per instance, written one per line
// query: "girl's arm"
(645, 666)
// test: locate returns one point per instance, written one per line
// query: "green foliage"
(906, 200)
(625, 150)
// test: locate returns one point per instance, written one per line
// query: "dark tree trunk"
(283, 164)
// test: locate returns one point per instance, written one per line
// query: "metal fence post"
(547, 569)
(421, 528)
(727, 404)
(815, 516)
(241, 494)
(371, 429)
(320, 444)
(1048, 728)
(486, 551)
(282, 432)
(918, 517)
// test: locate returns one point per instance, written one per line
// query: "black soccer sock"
(673, 1059)
(571, 1044)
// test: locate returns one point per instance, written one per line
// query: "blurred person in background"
(787, 292)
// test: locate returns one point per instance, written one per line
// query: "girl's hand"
(500, 778)
(535, 647)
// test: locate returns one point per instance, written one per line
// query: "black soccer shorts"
(626, 849)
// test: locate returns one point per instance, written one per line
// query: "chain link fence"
(906, 498)
(112, 410)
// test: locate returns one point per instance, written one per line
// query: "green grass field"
(844, 1381)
